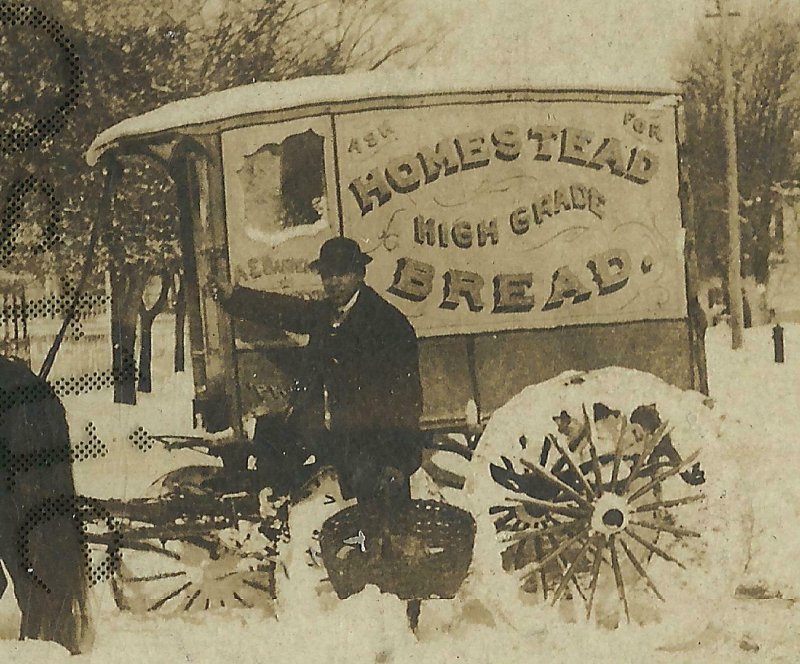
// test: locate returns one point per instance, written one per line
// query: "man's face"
(339, 288)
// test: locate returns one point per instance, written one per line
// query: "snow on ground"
(758, 412)
(763, 399)
(125, 469)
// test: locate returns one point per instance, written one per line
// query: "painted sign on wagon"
(523, 215)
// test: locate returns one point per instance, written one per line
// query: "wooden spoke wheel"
(210, 571)
(206, 540)
(568, 521)
(604, 511)
(183, 553)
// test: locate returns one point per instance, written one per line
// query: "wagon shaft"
(166, 509)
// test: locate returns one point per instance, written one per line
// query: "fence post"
(777, 342)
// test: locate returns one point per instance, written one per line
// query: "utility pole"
(734, 230)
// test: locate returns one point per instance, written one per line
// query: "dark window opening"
(302, 181)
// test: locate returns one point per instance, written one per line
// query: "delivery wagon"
(525, 227)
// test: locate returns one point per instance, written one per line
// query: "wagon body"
(524, 227)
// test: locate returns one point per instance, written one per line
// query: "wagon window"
(284, 186)
(302, 181)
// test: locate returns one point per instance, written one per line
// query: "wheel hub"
(610, 514)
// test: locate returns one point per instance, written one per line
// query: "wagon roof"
(353, 87)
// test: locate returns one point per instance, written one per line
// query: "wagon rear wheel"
(604, 511)
(575, 521)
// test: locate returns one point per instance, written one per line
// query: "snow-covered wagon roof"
(260, 98)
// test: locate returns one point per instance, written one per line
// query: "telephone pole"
(734, 231)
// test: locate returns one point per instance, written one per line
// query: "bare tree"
(766, 63)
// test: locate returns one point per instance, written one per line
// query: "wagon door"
(280, 206)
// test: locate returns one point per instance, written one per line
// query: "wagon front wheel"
(195, 574)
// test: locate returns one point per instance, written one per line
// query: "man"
(358, 397)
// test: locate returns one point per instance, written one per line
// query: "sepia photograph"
(399, 331)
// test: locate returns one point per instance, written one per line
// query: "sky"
(646, 35)
(636, 35)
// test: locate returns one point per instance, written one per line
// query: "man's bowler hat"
(340, 255)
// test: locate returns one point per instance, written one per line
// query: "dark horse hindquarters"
(38, 508)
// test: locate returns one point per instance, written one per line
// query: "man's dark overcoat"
(369, 368)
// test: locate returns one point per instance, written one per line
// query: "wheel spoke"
(618, 575)
(166, 598)
(570, 571)
(536, 533)
(256, 585)
(653, 548)
(649, 444)
(566, 488)
(227, 574)
(522, 521)
(545, 451)
(556, 508)
(598, 559)
(658, 479)
(652, 507)
(640, 569)
(501, 522)
(667, 528)
(563, 566)
(538, 564)
(567, 456)
(191, 600)
(623, 428)
(537, 547)
(153, 577)
(239, 599)
(598, 477)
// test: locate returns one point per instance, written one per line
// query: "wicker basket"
(421, 550)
